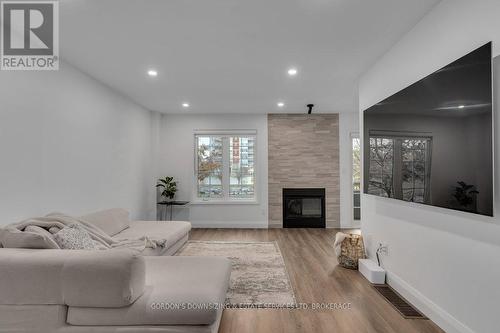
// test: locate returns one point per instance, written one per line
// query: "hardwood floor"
(316, 278)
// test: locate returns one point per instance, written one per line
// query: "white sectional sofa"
(175, 232)
(116, 223)
(117, 290)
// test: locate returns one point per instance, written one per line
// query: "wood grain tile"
(303, 152)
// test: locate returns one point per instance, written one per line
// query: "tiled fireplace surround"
(304, 153)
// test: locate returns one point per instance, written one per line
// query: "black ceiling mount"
(310, 106)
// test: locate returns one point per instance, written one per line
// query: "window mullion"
(225, 168)
(397, 180)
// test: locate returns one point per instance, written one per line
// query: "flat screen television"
(432, 143)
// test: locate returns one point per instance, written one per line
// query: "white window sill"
(224, 202)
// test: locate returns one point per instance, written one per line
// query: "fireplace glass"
(304, 208)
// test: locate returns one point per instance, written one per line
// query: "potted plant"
(465, 196)
(168, 187)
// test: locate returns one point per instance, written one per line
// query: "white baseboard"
(234, 225)
(437, 314)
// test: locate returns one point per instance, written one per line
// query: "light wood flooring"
(316, 278)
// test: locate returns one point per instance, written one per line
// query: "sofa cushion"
(108, 278)
(171, 231)
(179, 291)
(39, 318)
(31, 238)
(111, 221)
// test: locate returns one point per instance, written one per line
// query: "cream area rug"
(258, 277)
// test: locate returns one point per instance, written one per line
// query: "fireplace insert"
(304, 208)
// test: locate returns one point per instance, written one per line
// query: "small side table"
(171, 204)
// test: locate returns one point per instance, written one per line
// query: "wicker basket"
(352, 249)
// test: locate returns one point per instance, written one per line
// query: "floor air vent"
(399, 303)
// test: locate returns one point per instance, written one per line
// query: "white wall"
(177, 160)
(348, 124)
(445, 262)
(70, 144)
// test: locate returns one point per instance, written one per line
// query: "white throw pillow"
(74, 237)
(32, 238)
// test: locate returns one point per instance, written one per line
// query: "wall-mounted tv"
(432, 143)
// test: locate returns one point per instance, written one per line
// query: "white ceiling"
(231, 56)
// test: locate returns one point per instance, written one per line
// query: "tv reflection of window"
(400, 167)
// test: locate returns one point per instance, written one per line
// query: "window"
(414, 154)
(400, 167)
(225, 167)
(210, 166)
(381, 163)
(356, 177)
(241, 178)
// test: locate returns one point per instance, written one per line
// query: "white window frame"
(398, 136)
(226, 199)
(354, 135)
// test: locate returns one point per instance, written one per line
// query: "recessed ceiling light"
(280, 104)
(461, 106)
(152, 73)
(185, 105)
(292, 71)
